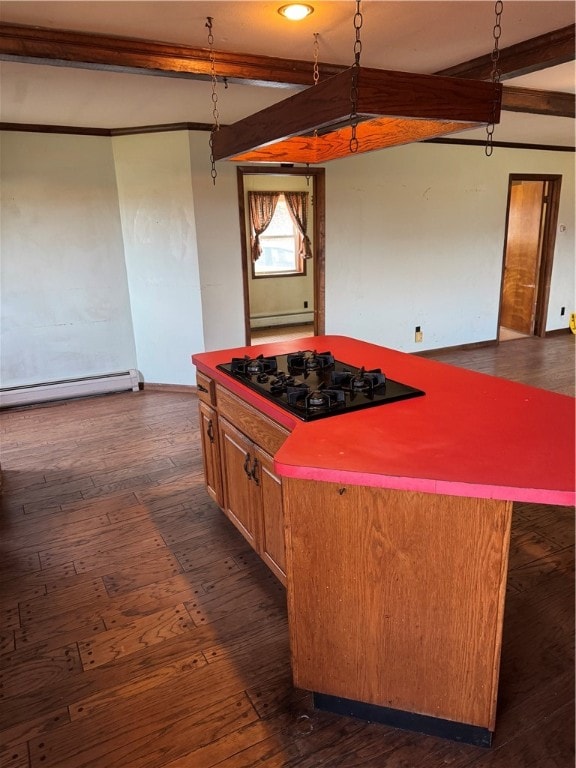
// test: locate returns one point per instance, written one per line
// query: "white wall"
(415, 236)
(158, 223)
(65, 305)
(219, 253)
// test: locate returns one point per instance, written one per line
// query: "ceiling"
(424, 37)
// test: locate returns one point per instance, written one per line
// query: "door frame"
(318, 179)
(547, 251)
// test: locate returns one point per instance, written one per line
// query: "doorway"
(531, 220)
(285, 312)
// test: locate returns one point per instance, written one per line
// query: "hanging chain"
(358, 19)
(316, 72)
(215, 114)
(497, 32)
(316, 79)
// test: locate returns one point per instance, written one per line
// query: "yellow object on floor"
(573, 322)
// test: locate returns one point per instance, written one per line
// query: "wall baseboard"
(189, 389)
(289, 318)
(66, 389)
(458, 347)
(558, 332)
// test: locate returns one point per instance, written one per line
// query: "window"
(280, 244)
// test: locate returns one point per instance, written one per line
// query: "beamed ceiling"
(115, 66)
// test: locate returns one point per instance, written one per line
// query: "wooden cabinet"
(238, 445)
(242, 503)
(211, 451)
(208, 417)
(415, 585)
(272, 546)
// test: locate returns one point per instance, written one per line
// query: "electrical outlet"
(562, 311)
(305, 305)
(418, 334)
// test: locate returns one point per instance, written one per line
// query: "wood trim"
(162, 128)
(188, 389)
(244, 253)
(458, 348)
(558, 332)
(319, 252)
(319, 224)
(503, 144)
(547, 50)
(283, 168)
(61, 129)
(538, 102)
(547, 253)
(36, 45)
(39, 45)
(71, 129)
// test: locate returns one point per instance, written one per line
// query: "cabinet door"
(242, 499)
(211, 451)
(272, 532)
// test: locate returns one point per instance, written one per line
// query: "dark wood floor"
(139, 631)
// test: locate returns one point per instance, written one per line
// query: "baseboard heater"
(28, 394)
(286, 318)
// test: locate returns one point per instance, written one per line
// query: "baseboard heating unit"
(68, 388)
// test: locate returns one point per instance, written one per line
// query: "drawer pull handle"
(247, 466)
(201, 388)
(254, 472)
(210, 431)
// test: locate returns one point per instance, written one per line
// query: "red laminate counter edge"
(471, 435)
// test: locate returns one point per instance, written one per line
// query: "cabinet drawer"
(259, 428)
(206, 389)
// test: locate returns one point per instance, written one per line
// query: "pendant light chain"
(215, 114)
(358, 20)
(315, 78)
(316, 71)
(495, 56)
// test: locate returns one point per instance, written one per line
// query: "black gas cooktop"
(313, 385)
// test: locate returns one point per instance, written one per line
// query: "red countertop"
(470, 435)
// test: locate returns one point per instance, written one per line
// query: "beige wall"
(64, 294)
(414, 236)
(159, 229)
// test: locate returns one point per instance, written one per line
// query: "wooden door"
(211, 451)
(242, 500)
(272, 542)
(526, 216)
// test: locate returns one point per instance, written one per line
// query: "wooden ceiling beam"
(38, 45)
(120, 54)
(535, 102)
(542, 52)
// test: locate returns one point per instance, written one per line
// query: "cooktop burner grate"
(313, 385)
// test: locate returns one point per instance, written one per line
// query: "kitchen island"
(389, 526)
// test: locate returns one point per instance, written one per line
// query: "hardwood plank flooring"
(280, 333)
(138, 630)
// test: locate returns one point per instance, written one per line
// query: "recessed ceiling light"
(296, 11)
